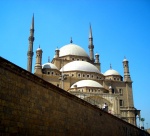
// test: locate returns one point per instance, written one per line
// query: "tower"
(97, 62)
(91, 46)
(126, 70)
(57, 53)
(30, 49)
(38, 64)
(131, 112)
(96, 58)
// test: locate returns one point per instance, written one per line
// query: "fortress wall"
(32, 106)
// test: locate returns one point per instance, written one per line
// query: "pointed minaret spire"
(90, 33)
(30, 50)
(71, 40)
(91, 46)
(32, 25)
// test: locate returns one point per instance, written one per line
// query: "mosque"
(79, 73)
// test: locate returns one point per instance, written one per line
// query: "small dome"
(38, 49)
(80, 66)
(87, 83)
(111, 72)
(72, 49)
(56, 49)
(49, 65)
(125, 60)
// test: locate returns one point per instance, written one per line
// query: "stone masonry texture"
(30, 106)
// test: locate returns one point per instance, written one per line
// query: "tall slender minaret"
(30, 50)
(126, 70)
(91, 46)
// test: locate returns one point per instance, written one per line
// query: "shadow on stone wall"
(31, 106)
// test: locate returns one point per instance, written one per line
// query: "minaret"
(30, 50)
(96, 58)
(126, 70)
(97, 62)
(129, 103)
(91, 46)
(57, 53)
(38, 64)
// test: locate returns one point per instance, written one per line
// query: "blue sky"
(120, 28)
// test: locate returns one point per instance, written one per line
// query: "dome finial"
(125, 59)
(39, 45)
(57, 48)
(110, 66)
(71, 40)
(49, 59)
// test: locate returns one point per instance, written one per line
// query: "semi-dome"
(111, 72)
(80, 66)
(87, 83)
(49, 65)
(72, 49)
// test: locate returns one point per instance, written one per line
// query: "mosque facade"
(79, 73)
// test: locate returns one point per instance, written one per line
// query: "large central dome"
(72, 49)
(80, 66)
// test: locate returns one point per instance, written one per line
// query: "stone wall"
(32, 106)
